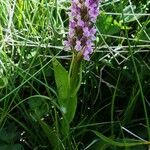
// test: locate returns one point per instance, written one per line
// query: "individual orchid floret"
(78, 46)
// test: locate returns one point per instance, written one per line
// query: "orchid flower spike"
(82, 32)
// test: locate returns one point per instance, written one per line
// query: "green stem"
(75, 73)
(74, 79)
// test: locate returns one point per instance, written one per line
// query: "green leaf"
(8, 139)
(106, 25)
(76, 74)
(123, 143)
(38, 106)
(8, 136)
(62, 82)
(67, 87)
(66, 101)
(71, 107)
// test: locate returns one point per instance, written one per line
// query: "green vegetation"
(113, 106)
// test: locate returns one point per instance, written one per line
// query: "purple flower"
(80, 23)
(78, 46)
(71, 32)
(72, 24)
(86, 55)
(67, 45)
(86, 32)
(93, 12)
(81, 31)
(93, 30)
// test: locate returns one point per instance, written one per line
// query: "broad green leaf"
(9, 138)
(71, 107)
(106, 25)
(62, 82)
(66, 99)
(38, 106)
(122, 143)
(75, 82)
(76, 74)
(67, 86)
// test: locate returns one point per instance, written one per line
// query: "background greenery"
(113, 101)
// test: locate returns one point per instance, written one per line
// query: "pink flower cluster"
(81, 30)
